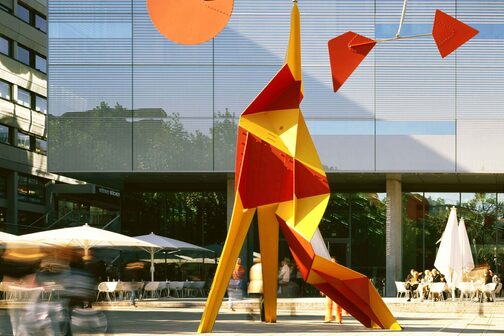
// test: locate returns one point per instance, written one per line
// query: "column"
(393, 240)
(12, 203)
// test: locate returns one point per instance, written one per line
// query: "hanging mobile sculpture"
(348, 50)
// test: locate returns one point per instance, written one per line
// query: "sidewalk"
(318, 304)
(295, 317)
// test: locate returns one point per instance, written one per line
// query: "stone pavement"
(297, 317)
(185, 322)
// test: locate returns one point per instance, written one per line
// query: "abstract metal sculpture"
(279, 175)
(348, 50)
(190, 21)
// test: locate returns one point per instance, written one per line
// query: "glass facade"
(169, 107)
(424, 220)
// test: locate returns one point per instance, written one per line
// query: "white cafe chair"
(107, 288)
(401, 289)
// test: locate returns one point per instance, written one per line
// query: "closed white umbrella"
(448, 258)
(85, 236)
(465, 248)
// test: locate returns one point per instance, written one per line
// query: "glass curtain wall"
(424, 220)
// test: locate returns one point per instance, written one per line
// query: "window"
(23, 54)
(41, 23)
(5, 45)
(40, 63)
(24, 97)
(5, 90)
(30, 189)
(23, 140)
(4, 134)
(40, 104)
(41, 146)
(23, 13)
(3, 192)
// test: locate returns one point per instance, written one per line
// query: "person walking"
(255, 287)
(133, 273)
(235, 291)
(284, 277)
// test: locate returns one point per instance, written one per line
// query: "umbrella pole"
(86, 256)
(152, 264)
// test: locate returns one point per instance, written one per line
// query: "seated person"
(412, 282)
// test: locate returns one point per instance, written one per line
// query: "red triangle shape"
(450, 33)
(346, 52)
(266, 175)
(282, 92)
(309, 182)
(301, 248)
(361, 287)
(346, 303)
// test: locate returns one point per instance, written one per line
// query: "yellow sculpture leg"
(268, 241)
(240, 223)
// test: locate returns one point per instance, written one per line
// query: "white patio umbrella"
(86, 237)
(448, 258)
(465, 247)
(8, 238)
(165, 243)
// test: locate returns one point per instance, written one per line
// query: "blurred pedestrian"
(235, 287)
(133, 273)
(255, 287)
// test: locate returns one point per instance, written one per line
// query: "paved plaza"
(184, 321)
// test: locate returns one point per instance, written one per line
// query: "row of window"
(24, 140)
(24, 54)
(30, 188)
(24, 97)
(32, 17)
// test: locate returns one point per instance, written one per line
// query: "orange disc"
(190, 21)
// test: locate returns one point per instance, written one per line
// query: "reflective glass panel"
(41, 23)
(23, 13)
(40, 104)
(23, 140)
(23, 54)
(41, 63)
(24, 97)
(41, 146)
(4, 45)
(4, 134)
(5, 90)
(479, 211)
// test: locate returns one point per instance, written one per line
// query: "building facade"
(31, 198)
(407, 136)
